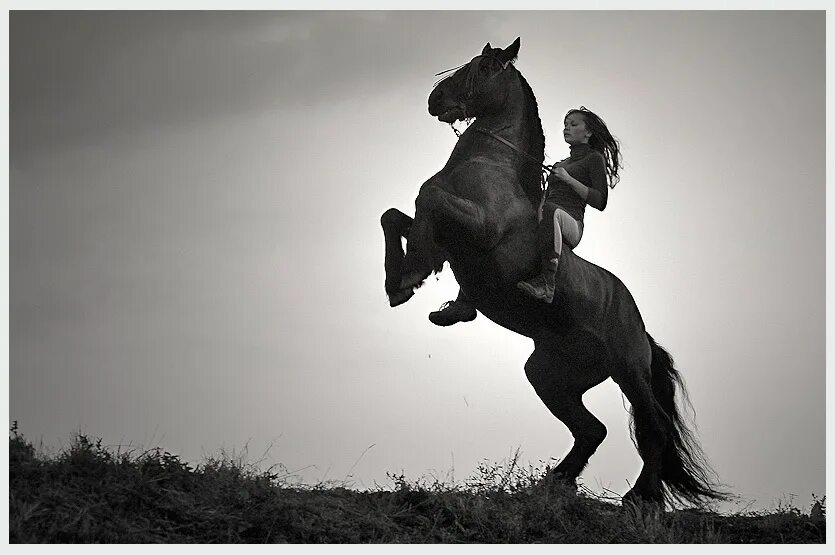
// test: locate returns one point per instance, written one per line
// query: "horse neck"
(510, 122)
(519, 124)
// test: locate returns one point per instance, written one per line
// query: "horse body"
(488, 253)
(480, 214)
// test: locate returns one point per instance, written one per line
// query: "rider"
(580, 179)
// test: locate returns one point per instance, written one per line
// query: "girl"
(580, 179)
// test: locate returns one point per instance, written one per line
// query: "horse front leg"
(459, 217)
(560, 383)
(437, 210)
(396, 226)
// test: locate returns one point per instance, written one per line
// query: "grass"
(90, 494)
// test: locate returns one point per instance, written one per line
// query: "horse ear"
(509, 54)
(487, 49)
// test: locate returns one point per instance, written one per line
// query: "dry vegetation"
(90, 494)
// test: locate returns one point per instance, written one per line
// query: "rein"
(512, 147)
(545, 169)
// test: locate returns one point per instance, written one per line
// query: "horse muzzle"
(445, 108)
(453, 114)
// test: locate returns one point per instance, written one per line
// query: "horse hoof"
(400, 297)
(559, 482)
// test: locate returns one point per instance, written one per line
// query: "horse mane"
(531, 174)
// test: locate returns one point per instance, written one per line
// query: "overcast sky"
(196, 260)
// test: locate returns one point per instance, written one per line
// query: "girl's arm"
(597, 194)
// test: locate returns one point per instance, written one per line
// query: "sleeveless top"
(586, 166)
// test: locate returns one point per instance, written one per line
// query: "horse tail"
(685, 471)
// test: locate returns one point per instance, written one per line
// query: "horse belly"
(489, 280)
(517, 257)
(513, 259)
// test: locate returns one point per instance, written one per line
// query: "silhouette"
(480, 213)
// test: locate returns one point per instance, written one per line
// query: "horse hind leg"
(650, 430)
(587, 430)
(561, 388)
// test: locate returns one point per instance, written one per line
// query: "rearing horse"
(480, 214)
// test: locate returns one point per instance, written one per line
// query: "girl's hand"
(561, 174)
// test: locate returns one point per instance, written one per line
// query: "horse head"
(477, 88)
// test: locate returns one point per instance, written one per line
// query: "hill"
(90, 494)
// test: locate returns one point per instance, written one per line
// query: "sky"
(196, 259)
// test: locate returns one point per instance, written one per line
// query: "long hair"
(685, 472)
(603, 142)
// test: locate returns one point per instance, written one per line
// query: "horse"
(480, 213)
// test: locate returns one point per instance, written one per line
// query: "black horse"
(480, 212)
